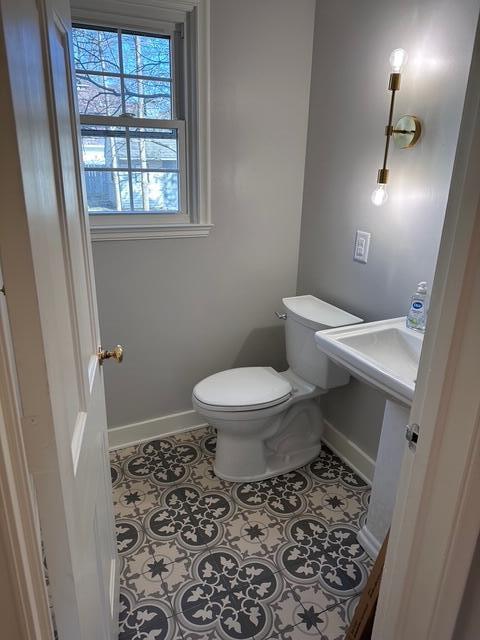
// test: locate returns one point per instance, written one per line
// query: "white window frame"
(160, 17)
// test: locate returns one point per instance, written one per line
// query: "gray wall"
(348, 111)
(185, 308)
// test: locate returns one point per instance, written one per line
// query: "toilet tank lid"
(318, 314)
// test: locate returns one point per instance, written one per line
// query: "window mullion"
(134, 170)
(129, 121)
(122, 75)
(129, 165)
(124, 110)
(114, 74)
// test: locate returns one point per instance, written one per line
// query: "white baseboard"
(137, 432)
(130, 434)
(348, 451)
(369, 542)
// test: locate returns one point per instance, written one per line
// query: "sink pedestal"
(386, 477)
(385, 355)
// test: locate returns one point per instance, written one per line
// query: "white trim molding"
(149, 231)
(137, 432)
(19, 529)
(143, 11)
(349, 452)
(159, 15)
(203, 115)
(369, 542)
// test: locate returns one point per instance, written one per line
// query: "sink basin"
(384, 354)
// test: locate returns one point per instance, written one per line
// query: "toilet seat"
(243, 389)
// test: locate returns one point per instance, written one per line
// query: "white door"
(47, 267)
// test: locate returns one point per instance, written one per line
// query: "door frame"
(18, 515)
(436, 522)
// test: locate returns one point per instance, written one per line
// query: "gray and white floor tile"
(205, 559)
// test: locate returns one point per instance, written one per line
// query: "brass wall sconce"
(406, 132)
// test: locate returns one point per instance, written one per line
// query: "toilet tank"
(305, 316)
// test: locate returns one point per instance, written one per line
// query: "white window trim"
(157, 16)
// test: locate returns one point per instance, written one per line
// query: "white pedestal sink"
(385, 355)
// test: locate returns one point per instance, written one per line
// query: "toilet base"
(266, 446)
(277, 464)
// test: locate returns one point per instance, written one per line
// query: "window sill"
(148, 231)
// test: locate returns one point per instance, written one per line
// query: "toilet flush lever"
(281, 316)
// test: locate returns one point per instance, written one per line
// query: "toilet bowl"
(268, 422)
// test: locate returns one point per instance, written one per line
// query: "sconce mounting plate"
(407, 132)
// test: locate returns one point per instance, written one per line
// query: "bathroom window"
(140, 130)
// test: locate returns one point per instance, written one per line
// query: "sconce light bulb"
(398, 58)
(380, 195)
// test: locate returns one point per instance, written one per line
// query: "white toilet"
(268, 422)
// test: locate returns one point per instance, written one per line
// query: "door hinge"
(2, 290)
(411, 434)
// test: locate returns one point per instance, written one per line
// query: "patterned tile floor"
(205, 559)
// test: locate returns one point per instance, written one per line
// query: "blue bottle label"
(417, 305)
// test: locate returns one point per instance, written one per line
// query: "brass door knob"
(116, 354)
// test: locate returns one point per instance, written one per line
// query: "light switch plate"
(362, 246)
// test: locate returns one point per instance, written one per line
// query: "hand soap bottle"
(417, 314)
